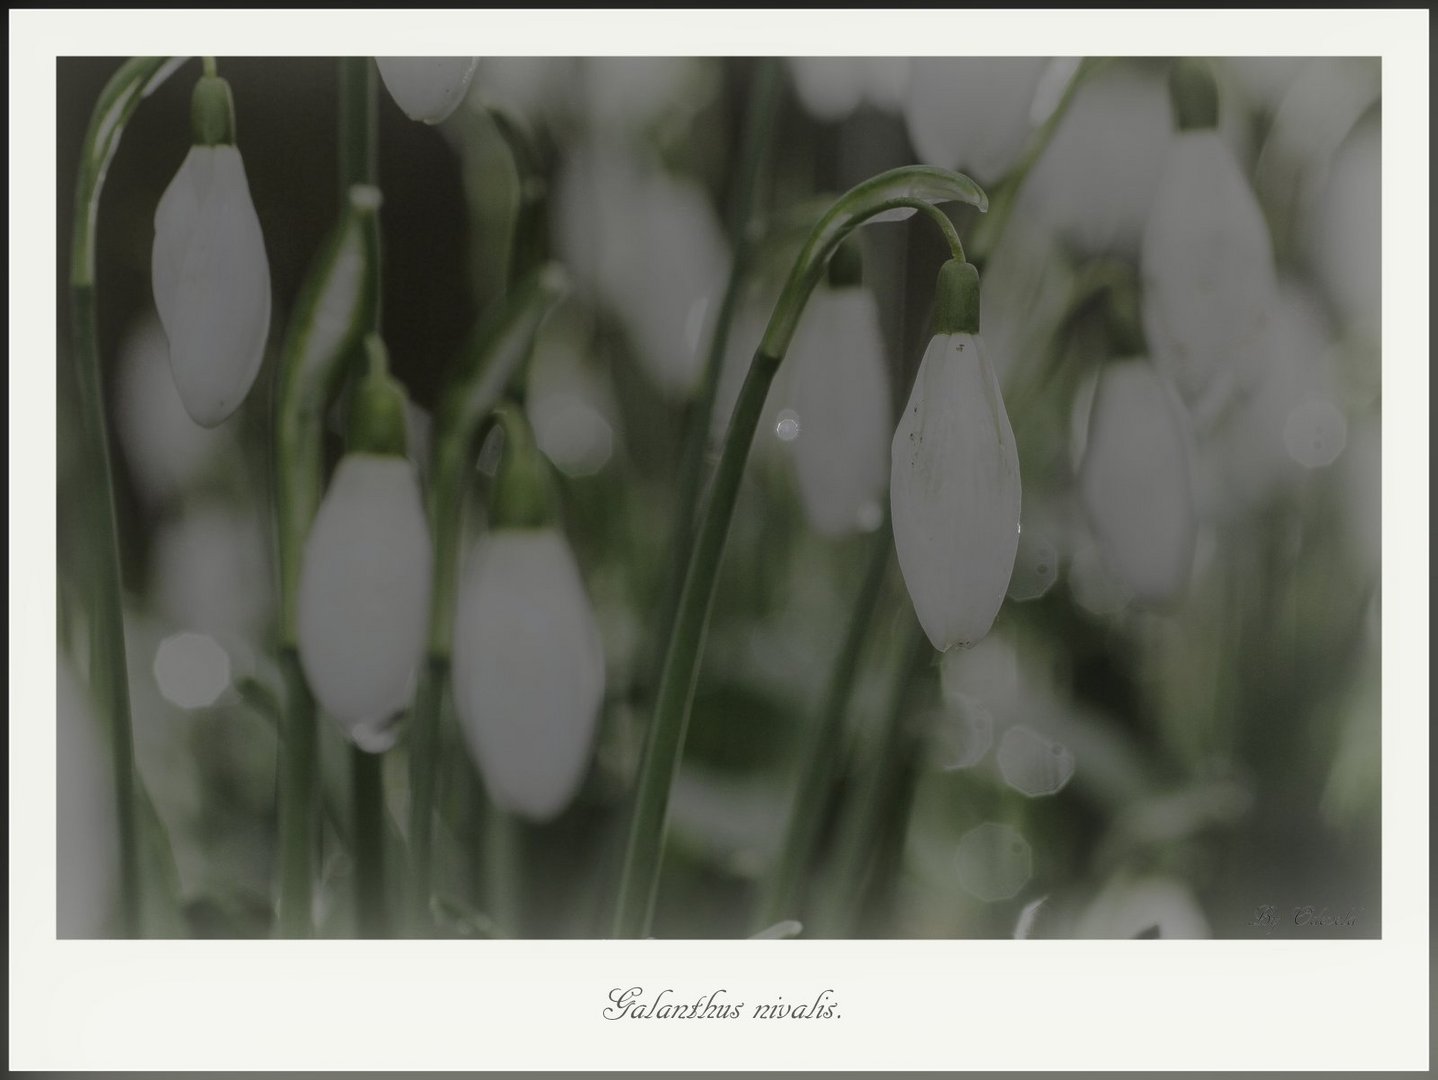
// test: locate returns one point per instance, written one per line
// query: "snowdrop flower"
(426, 88)
(1143, 907)
(840, 415)
(1207, 261)
(832, 87)
(528, 668)
(1135, 481)
(366, 573)
(650, 247)
(209, 270)
(954, 487)
(972, 113)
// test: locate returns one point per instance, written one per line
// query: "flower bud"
(528, 669)
(1135, 481)
(212, 282)
(954, 487)
(364, 593)
(427, 88)
(1207, 265)
(840, 398)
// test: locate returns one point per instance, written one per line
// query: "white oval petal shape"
(841, 402)
(954, 491)
(211, 279)
(528, 669)
(1136, 484)
(972, 113)
(426, 88)
(1207, 267)
(364, 592)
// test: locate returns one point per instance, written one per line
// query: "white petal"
(211, 280)
(426, 88)
(1208, 276)
(829, 87)
(1135, 481)
(955, 493)
(842, 406)
(1126, 909)
(528, 669)
(972, 113)
(364, 591)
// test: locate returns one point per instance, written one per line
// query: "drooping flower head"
(366, 573)
(528, 667)
(954, 487)
(209, 270)
(427, 88)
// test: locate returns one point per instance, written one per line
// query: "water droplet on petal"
(378, 735)
(788, 426)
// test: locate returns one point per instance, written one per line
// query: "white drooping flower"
(528, 669)
(364, 594)
(211, 279)
(840, 406)
(426, 88)
(1136, 484)
(972, 113)
(832, 87)
(1207, 268)
(954, 492)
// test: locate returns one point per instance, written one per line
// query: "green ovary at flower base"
(954, 489)
(210, 272)
(366, 573)
(528, 666)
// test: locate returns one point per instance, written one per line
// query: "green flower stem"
(821, 755)
(109, 676)
(367, 784)
(759, 122)
(299, 796)
(989, 231)
(881, 771)
(359, 165)
(914, 187)
(486, 367)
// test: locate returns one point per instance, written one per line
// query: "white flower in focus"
(1135, 481)
(972, 113)
(840, 410)
(364, 593)
(211, 280)
(528, 669)
(426, 88)
(1207, 266)
(954, 491)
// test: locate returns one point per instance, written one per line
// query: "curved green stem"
(822, 752)
(758, 123)
(109, 675)
(880, 778)
(486, 367)
(664, 741)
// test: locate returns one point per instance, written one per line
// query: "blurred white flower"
(954, 492)
(1095, 182)
(972, 113)
(840, 403)
(570, 407)
(426, 88)
(628, 93)
(211, 572)
(650, 247)
(832, 87)
(364, 594)
(86, 843)
(211, 280)
(1145, 907)
(528, 669)
(1136, 484)
(164, 447)
(1346, 230)
(1207, 268)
